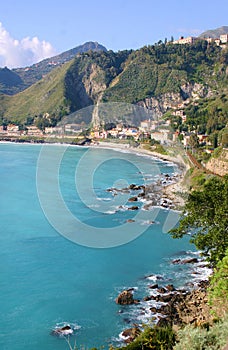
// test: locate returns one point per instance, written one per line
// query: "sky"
(33, 30)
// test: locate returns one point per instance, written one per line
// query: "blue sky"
(59, 26)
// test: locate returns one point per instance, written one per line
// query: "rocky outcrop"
(130, 334)
(184, 307)
(219, 165)
(161, 104)
(125, 298)
(185, 261)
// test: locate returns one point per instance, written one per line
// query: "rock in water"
(130, 334)
(125, 298)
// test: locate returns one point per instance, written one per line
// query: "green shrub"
(218, 291)
(156, 338)
(215, 338)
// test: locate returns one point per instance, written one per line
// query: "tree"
(193, 141)
(218, 292)
(205, 217)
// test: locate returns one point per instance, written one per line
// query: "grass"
(47, 95)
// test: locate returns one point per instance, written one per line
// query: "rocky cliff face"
(219, 165)
(94, 82)
(160, 105)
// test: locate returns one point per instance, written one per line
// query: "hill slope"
(25, 77)
(45, 96)
(156, 76)
(214, 33)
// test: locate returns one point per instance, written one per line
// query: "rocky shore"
(158, 194)
(168, 191)
(171, 306)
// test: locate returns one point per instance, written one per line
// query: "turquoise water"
(46, 279)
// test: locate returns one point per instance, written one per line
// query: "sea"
(70, 244)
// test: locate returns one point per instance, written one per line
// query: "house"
(73, 128)
(186, 140)
(202, 138)
(161, 135)
(145, 125)
(34, 131)
(53, 130)
(3, 129)
(224, 38)
(188, 40)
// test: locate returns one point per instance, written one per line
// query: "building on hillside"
(161, 135)
(178, 112)
(2, 129)
(186, 140)
(34, 131)
(188, 40)
(224, 38)
(12, 128)
(145, 125)
(54, 130)
(72, 128)
(209, 40)
(217, 41)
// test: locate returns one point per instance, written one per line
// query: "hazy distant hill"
(25, 77)
(10, 82)
(214, 33)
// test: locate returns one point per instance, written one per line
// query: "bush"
(156, 338)
(214, 338)
(218, 291)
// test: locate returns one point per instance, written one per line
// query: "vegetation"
(218, 291)
(126, 76)
(197, 338)
(17, 80)
(158, 69)
(206, 218)
(156, 338)
(208, 115)
(46, 96)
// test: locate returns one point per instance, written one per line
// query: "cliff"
(219, 165)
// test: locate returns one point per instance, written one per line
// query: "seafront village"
(160, 131)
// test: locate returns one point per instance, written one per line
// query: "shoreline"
(171, 191)
(165, 304)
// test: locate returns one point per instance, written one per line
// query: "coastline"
(173, 191)
(168, 188)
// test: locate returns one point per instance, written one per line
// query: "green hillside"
(10, 82)
(124, 76)
(18, 79)
(47, 95)
(156, 70)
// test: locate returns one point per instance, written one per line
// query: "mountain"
(25, 77)
(157, 77)
(10, 82)
(214, 33)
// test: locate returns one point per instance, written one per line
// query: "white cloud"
(20, 53)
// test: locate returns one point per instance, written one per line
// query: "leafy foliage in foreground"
(206, 217)
(218, 291)
(196, 338)
(156, 338)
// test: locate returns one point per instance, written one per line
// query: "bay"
(46, 279)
